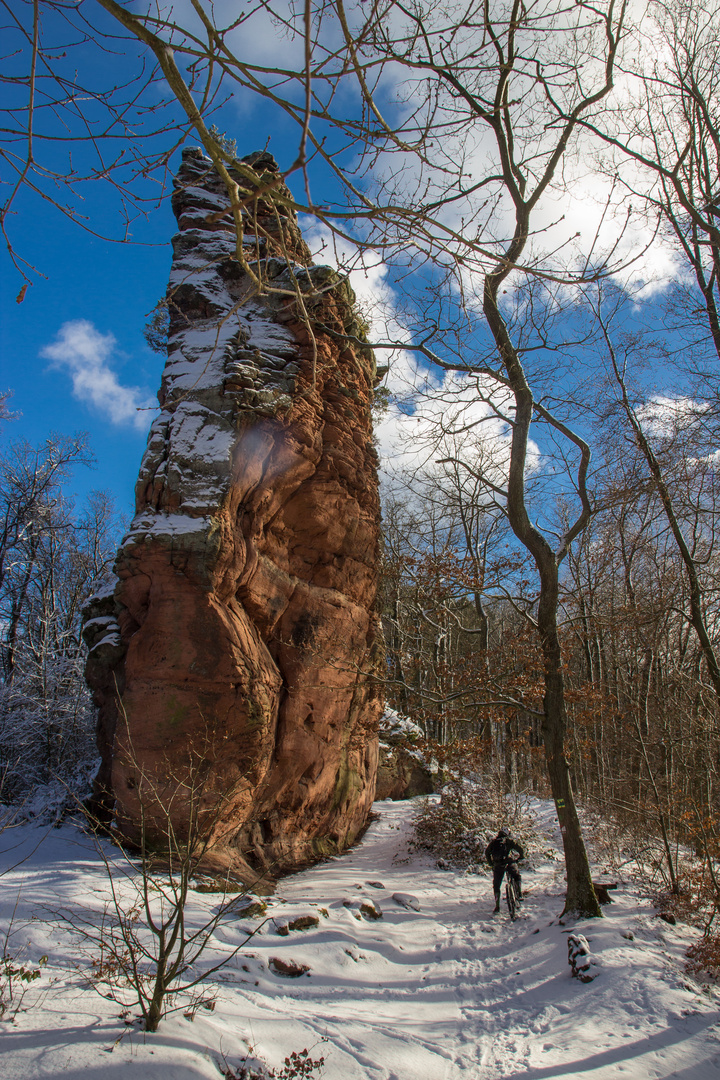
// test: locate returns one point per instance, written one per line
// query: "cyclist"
(499, 855)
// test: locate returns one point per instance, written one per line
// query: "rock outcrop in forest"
(232, 662)
(403, 771)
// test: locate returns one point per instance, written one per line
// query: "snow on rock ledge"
(403, 771)
(245, 618)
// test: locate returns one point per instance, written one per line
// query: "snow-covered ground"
(449, 990)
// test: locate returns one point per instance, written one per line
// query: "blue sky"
(73, 352)
(91, 303)
(110, 286)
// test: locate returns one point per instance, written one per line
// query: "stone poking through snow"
(363, 908)
(288, 969)
(303, 922)
(249, 906)
(406, 900)
(579, 958)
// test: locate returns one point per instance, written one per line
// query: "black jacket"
(499, 850)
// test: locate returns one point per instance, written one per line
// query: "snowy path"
(445, 992)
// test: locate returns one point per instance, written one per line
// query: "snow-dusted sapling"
(149, 948)
(579, 958)
(17, 974)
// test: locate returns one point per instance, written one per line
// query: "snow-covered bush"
(16, 977)
(47, 728)
(52, 557)
(457, 825)
(48, 804)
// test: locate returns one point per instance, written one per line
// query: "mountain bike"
(512, 894)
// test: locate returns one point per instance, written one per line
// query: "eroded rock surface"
(242, 630)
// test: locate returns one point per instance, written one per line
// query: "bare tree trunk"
(580, 897)
(662, 820)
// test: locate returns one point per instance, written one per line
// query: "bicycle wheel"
(511, 899)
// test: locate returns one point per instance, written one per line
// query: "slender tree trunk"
(580, 898)
(396, 652)
(662, 820)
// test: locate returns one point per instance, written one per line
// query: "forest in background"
(53, 556)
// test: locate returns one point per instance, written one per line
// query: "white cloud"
(664, 416)
(585, 216)
(84, 353)
(432, 414)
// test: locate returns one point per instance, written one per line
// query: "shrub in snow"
(579, 958)
(48, 804)
(47, 727)
(298, 1064)
(15, 979)
(704, 957)
(457, 826)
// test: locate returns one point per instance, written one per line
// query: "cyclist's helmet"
(503, 832)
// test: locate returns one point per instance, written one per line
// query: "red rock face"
(245, 601)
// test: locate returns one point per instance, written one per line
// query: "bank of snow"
(442, 992)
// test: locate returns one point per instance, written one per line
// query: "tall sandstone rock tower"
(232, 661)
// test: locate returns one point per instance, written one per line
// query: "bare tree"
(692, 552)
(644, 711)
(492, 99)
(29, 486)
(70, 125)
